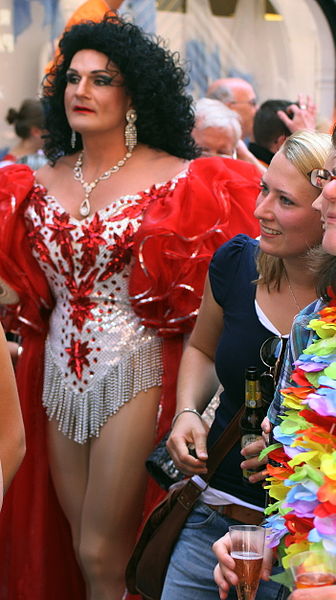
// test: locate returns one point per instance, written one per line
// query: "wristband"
(191, 410)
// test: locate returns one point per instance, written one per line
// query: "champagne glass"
(313, 568)
(247, 551)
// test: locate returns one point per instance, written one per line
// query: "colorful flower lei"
(303, 484)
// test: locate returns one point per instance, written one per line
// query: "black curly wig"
(152, 77)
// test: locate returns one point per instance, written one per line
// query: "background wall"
(281, 58)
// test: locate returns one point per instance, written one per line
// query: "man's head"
(269, 130)
(238, 95)
(217, 128)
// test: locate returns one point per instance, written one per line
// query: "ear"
(274, 146)
(35, 132)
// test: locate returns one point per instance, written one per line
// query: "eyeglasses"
(320, 177)
(271, 354)
(252, 102)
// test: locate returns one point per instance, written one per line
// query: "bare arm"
(197, 383)
(12, 439)
(243, 153)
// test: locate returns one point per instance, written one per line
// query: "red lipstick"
(83, 109)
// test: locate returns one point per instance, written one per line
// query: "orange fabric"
(91, 10)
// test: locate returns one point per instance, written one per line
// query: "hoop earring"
(130, 129)
(73, 139)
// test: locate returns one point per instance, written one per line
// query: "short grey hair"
(213, 113)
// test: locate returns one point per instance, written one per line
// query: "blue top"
(232, 272)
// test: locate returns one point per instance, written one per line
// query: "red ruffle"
(36, 555)
(179, 234)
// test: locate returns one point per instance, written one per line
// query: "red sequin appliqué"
(80, 302)
(61, 229)
(37, 198)
(36, 239)
(78, 352)
(136, 210)
(121, 253)
(91, 240)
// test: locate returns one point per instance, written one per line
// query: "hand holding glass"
(247, 551)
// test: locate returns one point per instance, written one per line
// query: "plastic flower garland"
(303, 484)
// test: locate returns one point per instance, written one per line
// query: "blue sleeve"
(225, 264)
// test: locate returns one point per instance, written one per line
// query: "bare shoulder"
(48, 174)
(164, 165)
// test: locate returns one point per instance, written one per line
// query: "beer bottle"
(253, 415)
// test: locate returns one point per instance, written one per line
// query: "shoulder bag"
(146, 570)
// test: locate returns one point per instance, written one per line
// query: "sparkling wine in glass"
(248, 552)
(313, 568)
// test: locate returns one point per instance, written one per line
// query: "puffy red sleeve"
(18, 268)
(179, 234)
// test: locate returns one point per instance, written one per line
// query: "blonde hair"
(306, 150)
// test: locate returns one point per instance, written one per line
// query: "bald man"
(238, 95)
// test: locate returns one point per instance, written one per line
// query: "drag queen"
(107, 248)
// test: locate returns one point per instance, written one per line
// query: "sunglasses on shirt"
(271, 355)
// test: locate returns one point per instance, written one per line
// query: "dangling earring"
(73, 139)
(130, 129)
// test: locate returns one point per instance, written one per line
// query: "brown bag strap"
(227, 439)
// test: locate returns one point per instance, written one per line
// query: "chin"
(329, 242)
(267, 245)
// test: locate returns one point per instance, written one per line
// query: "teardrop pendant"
(84, 209)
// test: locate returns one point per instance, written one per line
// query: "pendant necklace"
(85, 207)
(291, 291)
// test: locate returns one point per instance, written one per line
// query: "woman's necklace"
(291, 291)
(85, 207)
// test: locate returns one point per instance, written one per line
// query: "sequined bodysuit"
(98, 355)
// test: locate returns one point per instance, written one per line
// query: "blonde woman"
(235, 318)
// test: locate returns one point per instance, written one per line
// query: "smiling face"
(95, 98)
(326, 204)
(289, 225)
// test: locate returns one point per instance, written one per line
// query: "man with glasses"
(239, 95)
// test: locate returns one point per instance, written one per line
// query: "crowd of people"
(142, 264)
